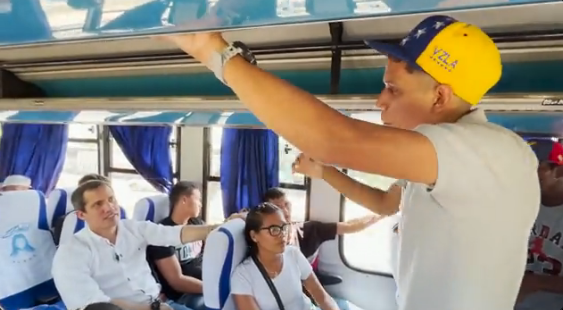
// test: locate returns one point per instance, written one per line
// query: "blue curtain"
(249, 167)
(148, 150)
(37, 151)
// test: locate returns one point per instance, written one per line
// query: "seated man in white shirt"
(106, 261)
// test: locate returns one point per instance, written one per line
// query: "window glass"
(214, 212)
(377, 257)
(174, 157)
(216, 134)
(129, 189)
(118, 159)
(288, 153)
(298, 199)
(81, 159)
(82, 131)
(214, 204)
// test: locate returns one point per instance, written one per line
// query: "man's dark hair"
(91, 177)
(102, 306)
(410, 69)
(182, 188)
(273, 194)
(77, 197)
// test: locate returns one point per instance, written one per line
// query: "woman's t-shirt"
(247, 280)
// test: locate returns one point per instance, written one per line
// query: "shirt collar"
(474, 116)
(99, 238)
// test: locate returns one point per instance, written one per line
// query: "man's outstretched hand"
(199, 45)
(305, 165)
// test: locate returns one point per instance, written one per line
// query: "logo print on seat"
(21, 249)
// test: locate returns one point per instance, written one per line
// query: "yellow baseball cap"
(454, 53)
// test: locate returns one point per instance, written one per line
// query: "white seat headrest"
(26, 249)
(225, 248)
(154, 208)
(59, 203)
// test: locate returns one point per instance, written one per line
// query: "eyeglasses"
(276, 230)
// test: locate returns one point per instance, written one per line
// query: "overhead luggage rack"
(345, 103)
(507, 24)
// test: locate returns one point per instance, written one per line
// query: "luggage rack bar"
(348, 103)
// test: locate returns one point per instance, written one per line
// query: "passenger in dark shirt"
(309, 235)
(179, 269)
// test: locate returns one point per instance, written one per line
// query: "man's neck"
(109, 234)
(551, 201)
(179, 219)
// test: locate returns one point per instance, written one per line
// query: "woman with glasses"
(273, 274)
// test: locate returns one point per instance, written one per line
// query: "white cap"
(17, 180)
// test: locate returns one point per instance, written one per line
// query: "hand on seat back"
(304, 164)
(239, 215)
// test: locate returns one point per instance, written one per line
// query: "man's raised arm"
(378, 201)
(314, 127)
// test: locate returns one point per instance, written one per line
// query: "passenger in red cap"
(543, 280)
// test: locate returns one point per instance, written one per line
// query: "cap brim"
(395, 51)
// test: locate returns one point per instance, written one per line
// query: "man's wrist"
(215, 45)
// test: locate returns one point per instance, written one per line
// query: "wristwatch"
(155, 304)
(219, 59)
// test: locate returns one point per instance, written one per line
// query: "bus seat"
(154, 208)
(225, 249)
(26, 250)
(72, 224)
(325, 278)
(58, 204)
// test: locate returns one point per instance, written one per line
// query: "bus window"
(370, 249)
(292, 185)
(128, 185)
(81, 154)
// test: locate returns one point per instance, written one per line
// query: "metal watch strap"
(155, 304)
(219, 59)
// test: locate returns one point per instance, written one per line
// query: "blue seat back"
(72, 224)
(26, 250)
(225, 248)
(154, 208)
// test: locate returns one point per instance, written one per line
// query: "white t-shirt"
(247, 280)
(463, 243)
(545, 254)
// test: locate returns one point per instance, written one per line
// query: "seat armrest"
(47, 300)
(327, 278)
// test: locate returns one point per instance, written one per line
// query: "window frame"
(345, 261)
(207, 177)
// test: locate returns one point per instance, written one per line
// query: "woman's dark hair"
(254, 221)
(102, 306)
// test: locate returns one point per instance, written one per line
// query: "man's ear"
(80, 214)
(443, 97)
